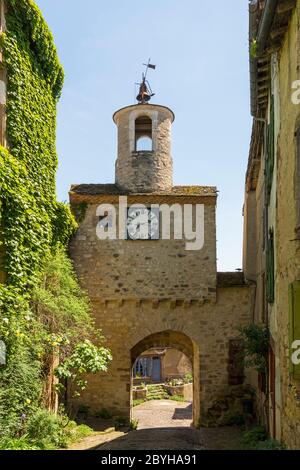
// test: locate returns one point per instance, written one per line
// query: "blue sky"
(200, 48)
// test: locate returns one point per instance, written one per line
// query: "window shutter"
(297, 183)
(294, 324)
(270, 152)
(270, 268)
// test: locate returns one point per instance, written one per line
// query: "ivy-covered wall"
(32, 222)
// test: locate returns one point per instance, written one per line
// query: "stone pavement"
(164, 425)
(163, 413)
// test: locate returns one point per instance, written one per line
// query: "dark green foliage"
(257, 439)
(20, 391)
(138, 402)
(103, 414)
(178, 398)
(120, 422)
(41, 305)
(256, 344)
(133, 424)
(256, 434)
(46, 429)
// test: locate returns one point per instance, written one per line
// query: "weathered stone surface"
(144, 171)
(155, 293)
(279, 408)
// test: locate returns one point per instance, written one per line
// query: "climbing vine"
(256, 342)
(34, 227)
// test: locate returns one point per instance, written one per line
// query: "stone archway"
(181, 342)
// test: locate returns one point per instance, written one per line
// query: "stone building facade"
(271, 242)
(159, 365)
(149, 293)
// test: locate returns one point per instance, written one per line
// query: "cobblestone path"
(166, 425)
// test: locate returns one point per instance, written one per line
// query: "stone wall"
(208, 327)
(175, 364)
(155, 269)
(281, 218)
(147, 294)
(287, 243)
(144, 171)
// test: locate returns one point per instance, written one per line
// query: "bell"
(144, 96)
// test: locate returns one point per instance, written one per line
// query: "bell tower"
(144, 163)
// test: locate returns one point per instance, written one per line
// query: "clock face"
(143, 223)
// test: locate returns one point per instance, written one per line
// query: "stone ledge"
(113, 189)
(171, 303)
(231, 279)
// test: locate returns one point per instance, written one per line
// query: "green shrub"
(75, 433)
(188, 378)
(257, 439)
(255, 435)
(41, 302)
(46, 428)
(134, 424)
(177, 398)
(23, 443)
(269, 444)
(139, 401)
(20, 390)
(120, 422)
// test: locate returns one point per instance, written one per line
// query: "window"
(143, 134)
(142, 367)
(270, 158)
(270, 268)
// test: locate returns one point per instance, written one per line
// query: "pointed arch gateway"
(181, 342)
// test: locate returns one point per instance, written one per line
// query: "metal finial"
(145, 92)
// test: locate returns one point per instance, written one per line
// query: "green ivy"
(32, 220)
(32, 223)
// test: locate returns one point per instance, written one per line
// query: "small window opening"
(143, 134)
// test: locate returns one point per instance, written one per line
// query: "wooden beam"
(263, 79)
(286, 6)
(265, 68)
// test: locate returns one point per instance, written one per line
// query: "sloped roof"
(113, 189)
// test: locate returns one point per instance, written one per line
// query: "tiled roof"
(113, 189)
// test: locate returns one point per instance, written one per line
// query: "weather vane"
(145, 92)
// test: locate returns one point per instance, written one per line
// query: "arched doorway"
(149, 367)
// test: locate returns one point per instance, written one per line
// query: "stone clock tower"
(149, 169)
(151, 291)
